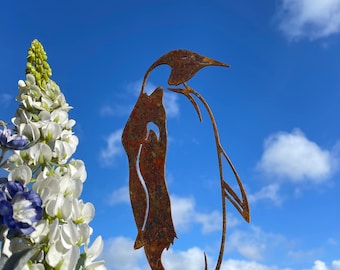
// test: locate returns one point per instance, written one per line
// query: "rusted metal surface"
(146, 151)
(148, 192)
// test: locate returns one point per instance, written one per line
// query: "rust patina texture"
(146, 151)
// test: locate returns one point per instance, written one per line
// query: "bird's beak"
(206, 61)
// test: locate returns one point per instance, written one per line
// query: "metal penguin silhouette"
(146, 151)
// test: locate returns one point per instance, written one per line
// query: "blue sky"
(277, 109)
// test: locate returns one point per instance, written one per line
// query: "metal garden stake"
(146, 151)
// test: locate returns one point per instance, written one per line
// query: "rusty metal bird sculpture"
(146, 151)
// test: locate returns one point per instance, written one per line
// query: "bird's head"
(184, 64)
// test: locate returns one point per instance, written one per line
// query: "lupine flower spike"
(44, 224)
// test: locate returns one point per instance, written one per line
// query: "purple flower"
(12, 187)
(19, 209)
(5, 207)
(11, 140)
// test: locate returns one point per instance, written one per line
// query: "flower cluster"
(11, 140)
(19, 208)
(39, 202)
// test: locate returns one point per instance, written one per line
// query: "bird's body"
(148, 191)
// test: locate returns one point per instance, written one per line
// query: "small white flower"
(77, 169)
(30, 79)
(70, 258)
(51, 131)
(82, 212)
(65, 146)
(99, 265)
(41, 231)
(22, 173)
(59, 206)
(60, 258)
(92, 253)
(70, 186)
(44, 117)
(21, 84)
(14, 161)
(40, 153)
(47, 187)
(95, 249)
(21, 116)
(46, 104)
(59, 116)
(30, 130)
(84, 233)
(53, 256)
(30, 103)
(70, 124)
(69, 234)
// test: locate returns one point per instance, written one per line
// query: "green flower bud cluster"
(37, 64)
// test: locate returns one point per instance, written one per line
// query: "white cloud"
(185, 214)
(332, 241)
(191, 259)
(171, 104)
(249, 265)
(120, 195)
(121, 108)
(309, 19)
(294, 157)
(254, 244)
(320, 265)
(113, 149)
(269, 192)
(107, 110)
(120, 255)
(336, 265)
(210, 222)
(5, 100)
(307, 254)
(125, 102)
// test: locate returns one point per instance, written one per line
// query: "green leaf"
(17, 261)
(81, 262)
